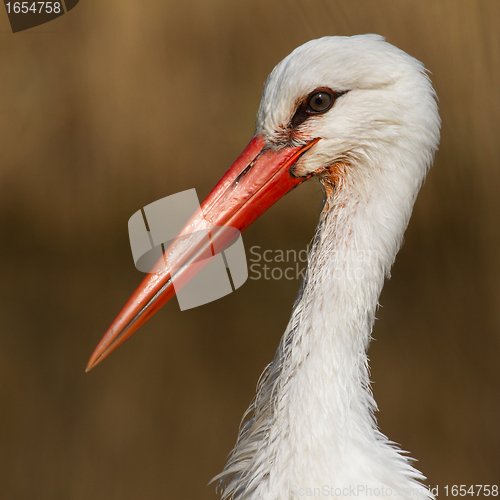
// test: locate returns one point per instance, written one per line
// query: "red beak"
(258, 179)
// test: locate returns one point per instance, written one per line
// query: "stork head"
(356, 102)
(371, 104)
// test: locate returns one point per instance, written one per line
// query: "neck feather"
(311, 424)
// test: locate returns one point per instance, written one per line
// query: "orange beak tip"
(89, 366)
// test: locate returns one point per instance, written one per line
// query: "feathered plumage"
(311, 424)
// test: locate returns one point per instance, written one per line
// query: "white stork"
(361, 116)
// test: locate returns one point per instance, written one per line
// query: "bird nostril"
(243, 173)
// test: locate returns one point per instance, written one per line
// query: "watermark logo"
(217, 272)
(217, 269)
(363, 491)
(28, 14)
(292, 264)
(278, 264)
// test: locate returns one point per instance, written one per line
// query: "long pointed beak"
(257, 179)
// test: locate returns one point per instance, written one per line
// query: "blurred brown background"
(120, 103)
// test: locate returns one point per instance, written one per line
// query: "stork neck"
(323, 415)
(313, 425)
(330, 328)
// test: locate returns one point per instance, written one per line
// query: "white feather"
(311, 429)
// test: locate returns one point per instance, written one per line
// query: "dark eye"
(320, 101)
(316, 103)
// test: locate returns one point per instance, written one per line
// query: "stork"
(361, 116)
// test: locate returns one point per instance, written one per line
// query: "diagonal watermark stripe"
(217, 271)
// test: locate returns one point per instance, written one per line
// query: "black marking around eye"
(299, 117)
(304, 111)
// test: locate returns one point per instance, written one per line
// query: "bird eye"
(320, 101)
(316, 103)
